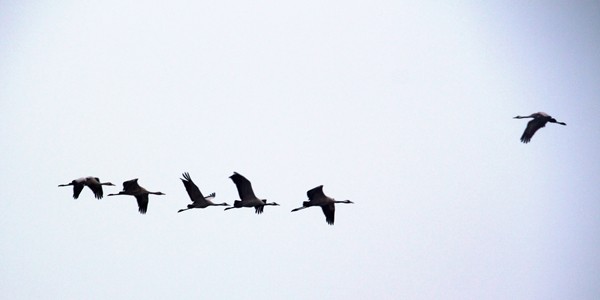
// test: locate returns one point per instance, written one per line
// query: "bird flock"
(316, 196)
(244, 187)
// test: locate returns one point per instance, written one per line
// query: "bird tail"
(237, 203)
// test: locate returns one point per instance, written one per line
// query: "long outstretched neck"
(299, 208)
(344, 201)
(66, 184)
(236, 204)
(183, 209)
(156, 193)
(522, 117)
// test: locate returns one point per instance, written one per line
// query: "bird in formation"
(316, 197)
(132, 188)
(244, 187)
(92, 182)
(247, 197)
(198, 200)
(539, 120)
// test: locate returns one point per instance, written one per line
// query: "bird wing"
(142, 201)
(259, 209)
(210, 196)
(316, 193)
(532, 127)
(191, 188)
(329, 211)
(131, 185)
(97, 189)
(77, 188)
(244, 186)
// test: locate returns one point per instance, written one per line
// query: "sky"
(403, 107)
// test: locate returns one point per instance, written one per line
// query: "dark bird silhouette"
(92, 182)
(198, 200)
(248, 199)
(132, 188)
(317, 198)
(539, 120)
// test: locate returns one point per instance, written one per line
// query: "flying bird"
(248, 199)
(539, 120)
(198, 200)
(92, 182)
(132, 188)
(317, 198)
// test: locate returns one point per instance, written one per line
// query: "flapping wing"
(329, 211)
(191, 188)
(243, 185)
(142, 201)
(131, 185)
(97, 189)
(316, 193)
(77, 188)
(532, 127)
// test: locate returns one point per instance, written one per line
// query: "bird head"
(348, 201)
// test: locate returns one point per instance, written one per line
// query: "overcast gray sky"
(403, 107)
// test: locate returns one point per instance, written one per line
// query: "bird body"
(247, 197)
(132, 188)
(92, 182)
(539, 121)
(198, 200)
(318, 198)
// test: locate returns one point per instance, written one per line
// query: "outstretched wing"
(191, 188)
(142, 201)
(97, 189)
(77, 188)
(316, 193)
(329, 211)
(244, 186)
(94, 184)
(259, 209)
(532, 127)
(131, 185)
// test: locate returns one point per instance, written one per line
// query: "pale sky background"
(403, 107)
